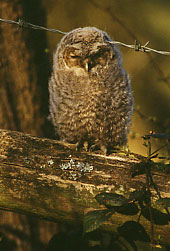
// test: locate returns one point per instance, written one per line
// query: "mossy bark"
(53, 181)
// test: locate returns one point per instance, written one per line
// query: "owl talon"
(103, 149)
(85, 146)
(80, 145)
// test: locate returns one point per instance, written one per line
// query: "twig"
(137, 46)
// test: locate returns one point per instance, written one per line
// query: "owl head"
(86, 51)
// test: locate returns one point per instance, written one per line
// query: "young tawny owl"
(90, 95)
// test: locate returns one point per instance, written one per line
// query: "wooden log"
(51, 180)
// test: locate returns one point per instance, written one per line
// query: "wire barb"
(137, 46)
(143, 48)
(22, 23)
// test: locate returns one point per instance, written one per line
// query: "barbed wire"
(143, 48)
(23, 24)
(136, 46)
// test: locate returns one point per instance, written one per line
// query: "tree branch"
(49, 179)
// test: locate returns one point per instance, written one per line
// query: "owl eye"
(74, 56)
(101, 57)
(71, 56)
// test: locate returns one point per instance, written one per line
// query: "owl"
(90, 98)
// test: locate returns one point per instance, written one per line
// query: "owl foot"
(99, 148)
(103, 149)
(85, 146)
(82, 145)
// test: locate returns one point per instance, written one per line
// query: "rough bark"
(24, 72)
(23, 76)
(51, 180)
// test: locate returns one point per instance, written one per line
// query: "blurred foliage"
(125, 21)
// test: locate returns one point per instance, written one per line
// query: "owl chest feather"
(81, 105)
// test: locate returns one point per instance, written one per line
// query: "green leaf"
(163, 202)
(111, 199)
(138, 195)
(93, 219)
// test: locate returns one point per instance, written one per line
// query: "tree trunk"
(51, 180)
(23, 78)
(24, 73)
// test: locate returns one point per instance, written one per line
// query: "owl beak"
(87, 66)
